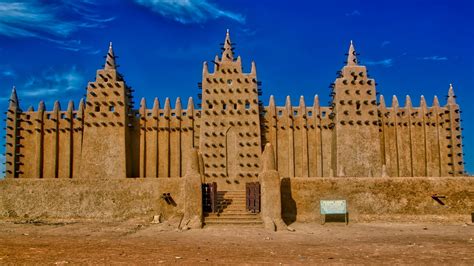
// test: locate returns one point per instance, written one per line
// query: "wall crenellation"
(355, 135)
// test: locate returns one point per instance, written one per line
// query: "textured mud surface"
(33, 242)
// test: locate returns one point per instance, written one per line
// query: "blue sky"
(50, 49)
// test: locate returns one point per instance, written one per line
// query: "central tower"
(356, 137)
(230, 140)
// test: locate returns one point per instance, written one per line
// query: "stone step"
(236, 218)
(258, 224)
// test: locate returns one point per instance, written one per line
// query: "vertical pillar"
(39, 140)
(291, 144)
(143, 144)
(12, 137)
(304, 137)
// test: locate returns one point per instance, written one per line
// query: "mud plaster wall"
(380, 198)
(105, 200)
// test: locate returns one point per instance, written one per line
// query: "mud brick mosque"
(358, 135)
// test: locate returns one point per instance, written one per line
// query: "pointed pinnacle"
(156, 103)
(142, 105)
(271, 102)
(14, 103)
(382, 101)
(253, 70)
(408, 101)
(302, 103)
(190, 106)
(316, 101)
(177, 105)
(205, 69)
(435, 101)
(227, 54)
(451, 96)
(352, 56)
(70, 106)
(156, 107)
(422, 102)
(395, 101)
(110, 58)
(81, 105)
(167, 106)
(41, 107)
(57, 106)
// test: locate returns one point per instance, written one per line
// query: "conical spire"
(395, 101)
(227, 53)
(302, 107)
(205, 69)
(435, 101)
(271, 102)
(143, 107)
(41, 107)
(80, 109)
(316, 102)
(110, 58)
(423, 103)
(70, 106)
(177, 106)
(253, 70)
(288, 106)
(14, 104)
(56, 107)
(167, 108)
(156, 108)
(352, 56)
(408, 103)
(190, 107)
(451, 96)
(382, 101)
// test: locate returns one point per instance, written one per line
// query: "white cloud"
(385, 62)
(9, 73)
(52, 83)
(189, 11)
(54, 22)
(434, 58)
(353, 13)
(385, 43)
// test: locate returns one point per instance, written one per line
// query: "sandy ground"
(135, 242)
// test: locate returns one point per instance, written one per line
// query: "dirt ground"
(134, 242)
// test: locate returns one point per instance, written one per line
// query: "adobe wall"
(104, 200)
(369, 199)
(380, 199)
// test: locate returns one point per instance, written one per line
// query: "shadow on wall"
(288, 204)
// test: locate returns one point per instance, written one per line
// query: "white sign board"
(333, 207)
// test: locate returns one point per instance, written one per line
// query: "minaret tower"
(230, 139)
(356, 141)
(106, 124)
(11, 142)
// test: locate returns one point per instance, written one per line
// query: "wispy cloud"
(434, 58)
(385, 62)
(52, 83)
(9, 73)
(385, 43)
(190, 11)
(353, 13)
(53, 21)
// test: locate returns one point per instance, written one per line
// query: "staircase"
(232, 211)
